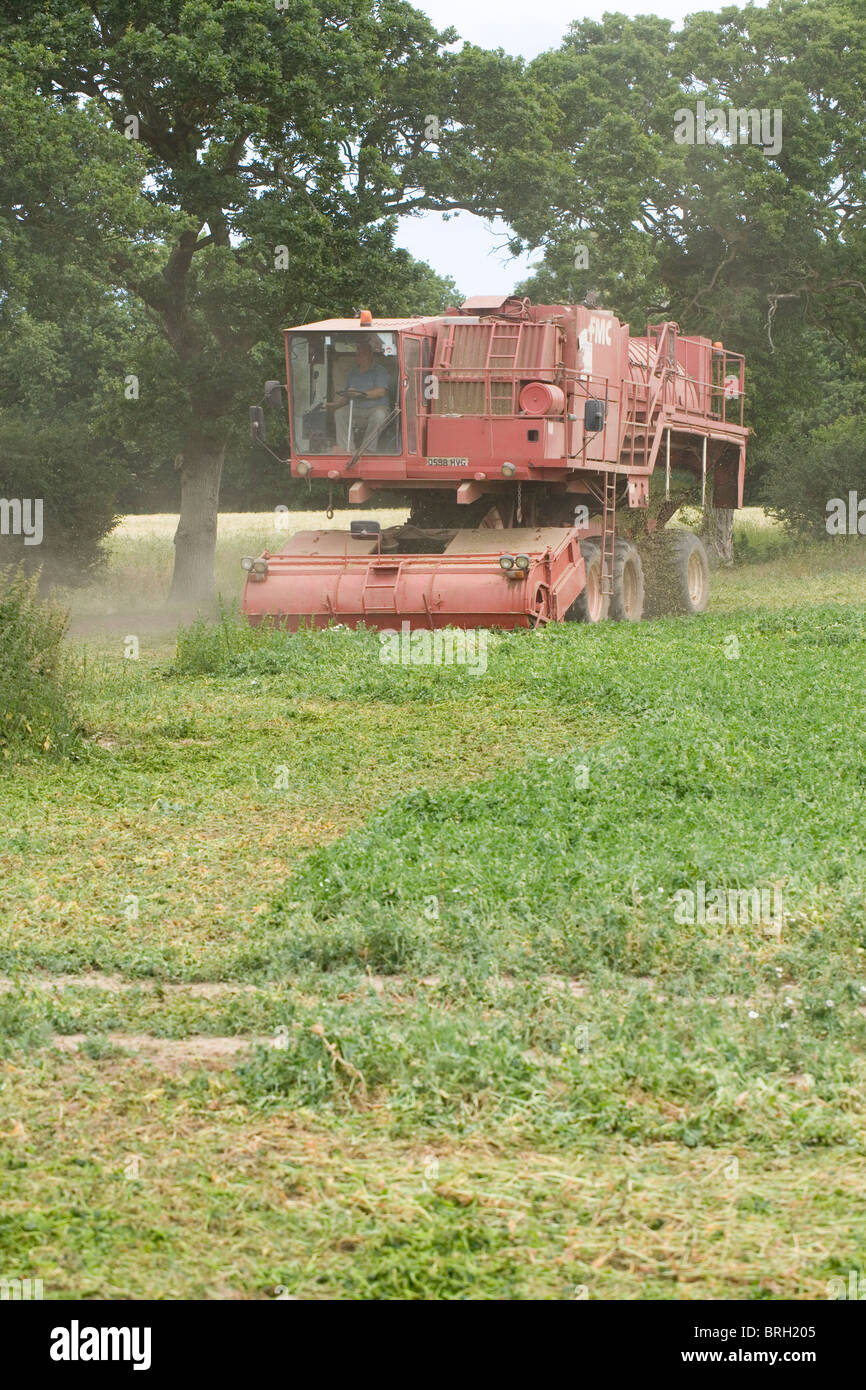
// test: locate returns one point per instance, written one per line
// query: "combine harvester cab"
(527, 438)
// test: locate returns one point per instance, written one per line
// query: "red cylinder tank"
(541, 398)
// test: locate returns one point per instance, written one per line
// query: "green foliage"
(52, 447)
(762, 250)
(66, 336)
(484, 894)
(808, 471)
(204, 648)
(755, 544)
(36, 715)
(22, 1023)
(472, 1055)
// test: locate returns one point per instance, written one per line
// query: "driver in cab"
(362, 401)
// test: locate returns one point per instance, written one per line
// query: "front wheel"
(591, 606)
(627, 600)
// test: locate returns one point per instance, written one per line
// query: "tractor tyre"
(627, 600)
(676, 573)
(591, 606)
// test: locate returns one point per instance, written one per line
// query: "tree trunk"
(718, 534)
(195, 538)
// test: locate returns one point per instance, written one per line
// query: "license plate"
(447, 463)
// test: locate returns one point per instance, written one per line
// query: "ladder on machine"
(608, 529)
(502, 353)
(380, 586)
(646, 403)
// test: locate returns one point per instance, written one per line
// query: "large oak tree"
(278, 144)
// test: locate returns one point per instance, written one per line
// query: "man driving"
(362, 401)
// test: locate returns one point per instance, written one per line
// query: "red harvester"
(528, 437)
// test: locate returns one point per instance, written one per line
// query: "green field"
(328, 978)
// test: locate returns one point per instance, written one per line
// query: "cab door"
(413, 396)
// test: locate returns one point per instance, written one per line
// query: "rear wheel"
(627, 600)
(592, 605)
(677, 573)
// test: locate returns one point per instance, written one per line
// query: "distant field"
(331, 978)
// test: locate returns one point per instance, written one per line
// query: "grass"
(437, 912)
(36, 715)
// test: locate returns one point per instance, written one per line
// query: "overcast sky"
(467, 247)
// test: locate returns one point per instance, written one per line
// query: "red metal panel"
(693, 358)
(603, 342)
(553, 435)
(457, 437)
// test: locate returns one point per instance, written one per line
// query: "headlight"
(522, 562)
(508, 470)
(506, 562)
(259, 567)
(302, 468)
(247, 562)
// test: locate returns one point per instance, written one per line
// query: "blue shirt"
(375, 375)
